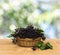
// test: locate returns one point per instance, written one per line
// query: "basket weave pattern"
(27, 42)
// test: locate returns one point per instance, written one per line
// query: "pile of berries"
(29, 32)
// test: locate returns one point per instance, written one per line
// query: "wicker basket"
(27, 42)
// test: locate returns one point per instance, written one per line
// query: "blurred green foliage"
(22, 13)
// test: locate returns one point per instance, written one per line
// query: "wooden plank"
(8, 48)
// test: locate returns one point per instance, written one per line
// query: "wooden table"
(8, 48)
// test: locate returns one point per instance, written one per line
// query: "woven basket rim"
(28, 39)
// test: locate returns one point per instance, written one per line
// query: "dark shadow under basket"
(27, 42)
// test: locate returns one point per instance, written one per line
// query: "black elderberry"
(33, 48)
(30, 27)
(43, 37)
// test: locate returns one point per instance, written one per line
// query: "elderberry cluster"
(29, 32)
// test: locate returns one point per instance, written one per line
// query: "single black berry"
(33, 48)
(43, 38)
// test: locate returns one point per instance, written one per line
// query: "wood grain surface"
(8, 48)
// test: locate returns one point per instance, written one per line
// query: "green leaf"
(39, 44)
(9, 36)
(48, 45)
(42, 47)
(40, 30)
